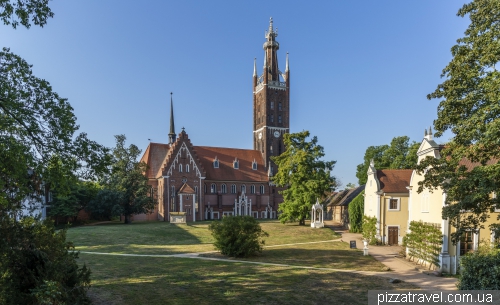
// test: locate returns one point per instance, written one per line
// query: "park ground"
(163, 263)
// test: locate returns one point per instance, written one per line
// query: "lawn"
(172, 280)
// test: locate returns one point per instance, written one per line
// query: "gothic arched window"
(213, 188)
(252, 189)
(243, 188)
(233, 188)
(261, 189)
(180, 168)
(187, 168)
(223, 189)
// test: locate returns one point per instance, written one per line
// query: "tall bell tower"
(271, 102)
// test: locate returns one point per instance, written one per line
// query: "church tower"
(271, 101)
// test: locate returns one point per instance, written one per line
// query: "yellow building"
(427, 207)
(386, 198)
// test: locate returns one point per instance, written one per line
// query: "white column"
(445, 229)
(194, 208)
(180, 209)
(378, 217)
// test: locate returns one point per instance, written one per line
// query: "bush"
(480, 270)
(38, 265)
(370, 229)
(238, 236)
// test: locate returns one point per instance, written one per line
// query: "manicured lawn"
(170, 280)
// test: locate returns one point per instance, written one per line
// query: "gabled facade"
(386, 198)
(338, 205)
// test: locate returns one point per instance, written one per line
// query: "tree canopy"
(469, 107)
(303, 174)
(126, 190)
(400, 154)
(15, 12)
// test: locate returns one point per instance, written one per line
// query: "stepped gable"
(226, 156)
(172, 152)
(153, 157)
(394, 180)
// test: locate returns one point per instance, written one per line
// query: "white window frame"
(233, 188)
(216, 163)
(180, 168)
(262, 190)
(213, 188)
(236, 164)
(425, 202)
(252, 189)
(398, 207)
(243, 188)
(223, 188)
(187, 168)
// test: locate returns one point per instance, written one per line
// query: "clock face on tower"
(276, 134)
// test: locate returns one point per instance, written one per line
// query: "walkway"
(400, 267)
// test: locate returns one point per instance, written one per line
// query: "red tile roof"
(394, 180)
(154, 156)
(470, 165)
(226, 156)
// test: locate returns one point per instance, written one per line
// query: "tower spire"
(286, 68)
(255, 67)
(171, 134)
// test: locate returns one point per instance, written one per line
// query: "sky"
(360, 71)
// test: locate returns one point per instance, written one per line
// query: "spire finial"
(286, 68)
(430, 130)
(425, 132)
(255, 67)
(171, 134)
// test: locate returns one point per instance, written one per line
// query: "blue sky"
(360, 70)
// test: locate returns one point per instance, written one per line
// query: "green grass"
(171, 280)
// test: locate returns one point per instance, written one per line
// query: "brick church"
(210, 182)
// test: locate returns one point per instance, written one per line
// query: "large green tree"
(303, 174)
(469, 107)
(38, 150)
(126, 191)
(400, 154)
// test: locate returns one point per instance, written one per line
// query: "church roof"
(394, 180)
(154, 156)
(226, 157)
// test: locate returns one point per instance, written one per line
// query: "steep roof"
(351, 194)
(226, 156)
(394, 180)
(154, 156)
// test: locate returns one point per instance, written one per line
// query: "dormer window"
(236, 164)
(254, 165)
(216, 163)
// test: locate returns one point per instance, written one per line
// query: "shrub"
(356, 210)
(480, 270)
(38, 265)
(370, 229)
(238, 236)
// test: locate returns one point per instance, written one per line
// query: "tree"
(303, 174)
(126, 191)
(400, 154)
(356, 212)
(469, 107)
(14, 12)
(69, 204)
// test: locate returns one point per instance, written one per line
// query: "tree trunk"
(127, 219)
(302, 222)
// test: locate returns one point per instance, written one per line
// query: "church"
(206, 182)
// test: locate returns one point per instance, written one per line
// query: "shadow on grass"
(190, 281)
(142, 237)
